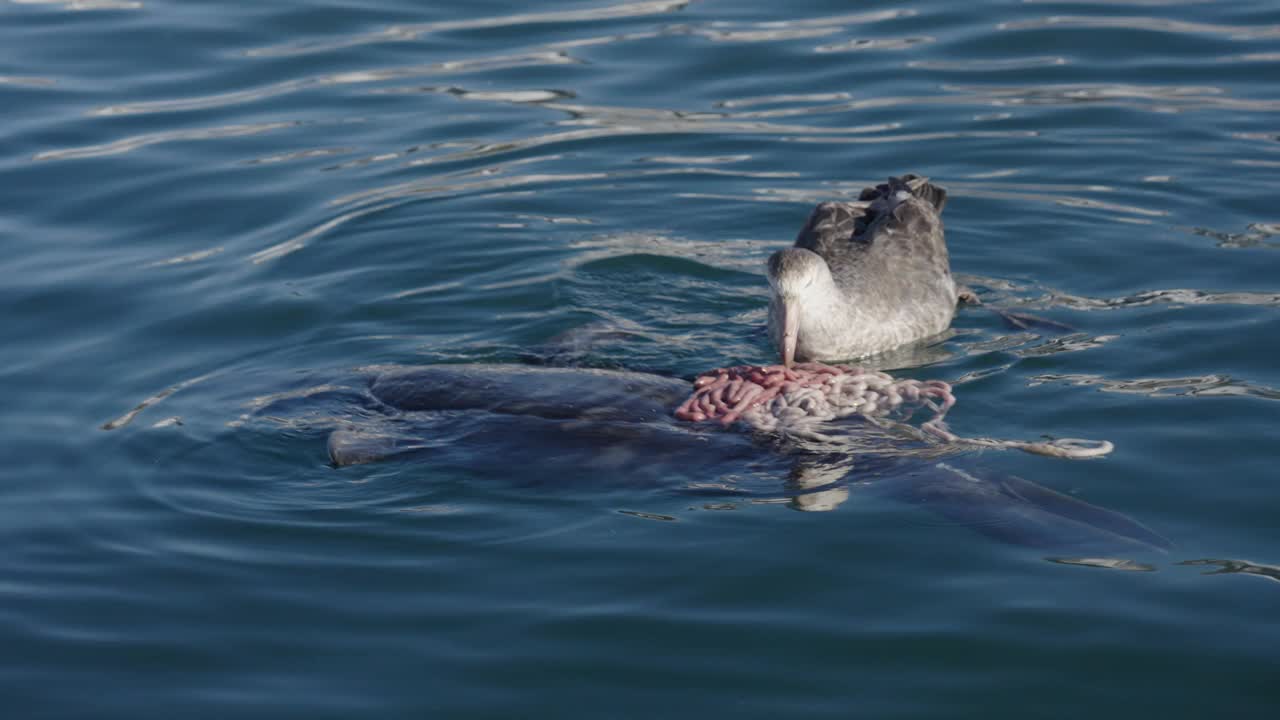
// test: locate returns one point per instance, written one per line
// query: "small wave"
(1136, 3)
(989, 65)
(297, 155)
(1165, 25)
(861, 44)
(128, 417)
(1164, 98)
(784, 99)
(30, 81)
(1072, 343)
(218, 100)
(139, 141)
(408, 33)
(1237, 567)
(297, 242)
(85, 4)
(1156, 297)
(187, 258)
(696, 159)
(917, 137)
(1195, 386)
(1105, 563)
(1258, 235)
(1054, 194)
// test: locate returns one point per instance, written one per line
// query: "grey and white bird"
(864, 277)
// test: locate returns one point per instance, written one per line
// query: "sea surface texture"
(214, 214)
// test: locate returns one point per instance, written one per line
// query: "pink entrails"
(772, 396)
(797, 399)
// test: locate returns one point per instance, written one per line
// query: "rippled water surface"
(212, 212)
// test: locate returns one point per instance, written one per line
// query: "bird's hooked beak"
(790, 328)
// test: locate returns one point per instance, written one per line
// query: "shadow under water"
(564, 428)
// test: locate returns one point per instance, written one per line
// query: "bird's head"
(795, 275)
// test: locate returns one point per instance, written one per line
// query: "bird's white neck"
(835, 324)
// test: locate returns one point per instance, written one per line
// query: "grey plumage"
(868, 276)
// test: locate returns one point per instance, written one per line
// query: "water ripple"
(751, 36)
(1105, 563)
(1171, 98)
(1109, 3)
(784, 99)
(1237, 567)
(921, 136)
(407, 33)
(187, 258)
(139, 141)
(1234, 32)
(1057, 194)
(989, 64)
(128, 417)
(301, 240)
(1071, 343)
(26, 81)
(85, 4)
(860, 44)
(298, 155)
(803, 28)
(839, 21)
(1154, 98)
(623, 122)
(1155, 297)
(368, 202)
(203, 102)
(1259, 235)
(698, 159)
(746, 256)
(1195, 386)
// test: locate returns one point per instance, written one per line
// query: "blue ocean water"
(213, 208)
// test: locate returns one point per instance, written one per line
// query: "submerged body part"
(528, 418)
(864, 277)
(557, 426)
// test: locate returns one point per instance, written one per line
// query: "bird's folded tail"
(913, 184)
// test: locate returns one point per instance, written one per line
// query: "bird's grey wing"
(908, 207)
(837, 230)
(830, 228)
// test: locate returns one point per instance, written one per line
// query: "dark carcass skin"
(543, 423)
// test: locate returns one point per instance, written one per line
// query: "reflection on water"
(1258, 235)
(875, 44)
(1242, 567)
(1106, 563)
(130, 144)
(1175, 297)
(1151, 98)
(406, 33)
(452, 67)
(85, 4)
(1204, 386)
(1071, 343)
(1093, 22)
(26, 81)
(988, 65)
(128, 417)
